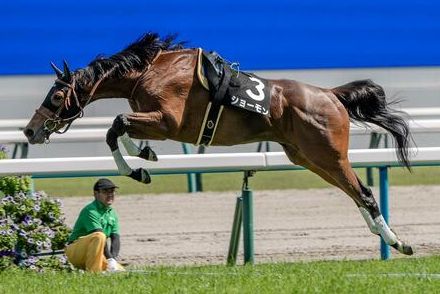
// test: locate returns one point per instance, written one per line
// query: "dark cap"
(104, 184)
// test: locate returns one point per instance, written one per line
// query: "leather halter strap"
(52, 123)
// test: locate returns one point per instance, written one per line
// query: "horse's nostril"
(28, 133)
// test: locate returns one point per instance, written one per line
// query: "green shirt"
(93, 216)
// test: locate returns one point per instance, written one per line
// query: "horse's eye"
(57, 98)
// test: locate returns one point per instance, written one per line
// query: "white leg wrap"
(388, 236)
(130, 146)
(122, 165)
(369, 220)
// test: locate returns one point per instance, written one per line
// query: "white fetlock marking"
(369, 220)
(399, 246)
(130, 146)
(388, 236)
(123, 168)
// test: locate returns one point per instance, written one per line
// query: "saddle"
(228, 87)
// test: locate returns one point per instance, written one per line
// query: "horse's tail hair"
(365, 102)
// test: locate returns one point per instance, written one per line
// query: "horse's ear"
(67, 74)
(58, 71)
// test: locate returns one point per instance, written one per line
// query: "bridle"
(52, 123)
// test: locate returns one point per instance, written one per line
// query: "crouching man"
(87, 245)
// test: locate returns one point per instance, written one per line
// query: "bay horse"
(159, 78)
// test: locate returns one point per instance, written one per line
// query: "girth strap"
(219, 77)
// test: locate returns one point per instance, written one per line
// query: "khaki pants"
(88, 252)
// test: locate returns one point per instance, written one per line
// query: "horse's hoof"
(141, 175)
(148, 154)
(407, 249)
(403, 248)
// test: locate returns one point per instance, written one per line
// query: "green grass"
(411, 275)
(229, 182)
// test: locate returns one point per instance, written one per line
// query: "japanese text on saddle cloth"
(229, 87)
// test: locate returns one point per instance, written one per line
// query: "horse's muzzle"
(34, 137)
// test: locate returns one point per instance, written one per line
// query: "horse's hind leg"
(377, 223)
(119, 129)
(340, 174)
(368, 207)
(296, 157)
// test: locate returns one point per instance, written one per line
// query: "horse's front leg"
(133, 150)
(121, 126)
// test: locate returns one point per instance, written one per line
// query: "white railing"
(105, 166)
(422, 112)
(98, 134)
(73, 135)
(106, 121)
(416, 126)
(218, 162)
(82, 122)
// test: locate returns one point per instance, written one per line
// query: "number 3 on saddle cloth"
(229, 87)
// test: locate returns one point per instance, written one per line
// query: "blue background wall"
(269, 34)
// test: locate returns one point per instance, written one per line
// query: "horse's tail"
(365, 102)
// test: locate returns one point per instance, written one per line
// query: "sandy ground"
(290, 225)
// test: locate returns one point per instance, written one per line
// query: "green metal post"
(199, 182)
(370, 178)
(374, 144)
(384, 208)
(32, 191)
(260, 146)
(14, 153)
(248, 226)
(191, 177)
(235, 234)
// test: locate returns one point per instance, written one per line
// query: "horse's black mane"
(133, 58)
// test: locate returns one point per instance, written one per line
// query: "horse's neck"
(112, 88)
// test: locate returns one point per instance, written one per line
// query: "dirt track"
(289, 225)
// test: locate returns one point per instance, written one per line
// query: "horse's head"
(60, 108)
